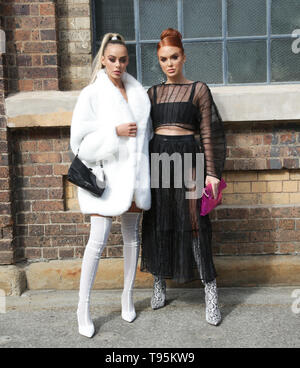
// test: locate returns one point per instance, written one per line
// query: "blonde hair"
(97, 63)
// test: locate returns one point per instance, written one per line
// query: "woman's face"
(171, 60)
(115, 60)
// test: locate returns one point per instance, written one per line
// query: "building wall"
(48, 44)
(49, 48)
(6, 214)
(74, 34)
(257, 216)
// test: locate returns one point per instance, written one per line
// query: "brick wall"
(260, 212)
(31, 57)
(45, 228)
(6, 218)
(49, 47)
(74, 23)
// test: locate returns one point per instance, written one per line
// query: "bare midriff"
(133, 208)
(173, 130)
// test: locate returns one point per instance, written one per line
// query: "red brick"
(281, 212)
(270, 248)
(249, 248)
(52, 229)
(286, 248)
(28, 146)
(44, 170)
(34, 9)
(50, 85)
(56, 193)
(36, 60)
(4, 184)
(7, 258)
(115, 252)
(66, 217)
(259, 212)
(60, 169)
(233, 213)
(25, 85)
(259, 236)
(47, 9)
(22, 35)
(286, 224)
(61, 241)
(45, 157)
(32, 218)
(115, 239)
(5, 196)
(28, 170)
(33, 253)
(38, 85)
(242, 237)
(5, 245)
(36, 230)
(68, 229)
(287, 138)
(5, 208)
(228, 249)
(36, 241)
(50, 253)
(285, 235)
(35, 35)
(79, 252)
(48, 206)
(83, 229)
(45, 146)
(38, 72)
(49, 60)
(48, 35)
(66, 252)
(35, 22)
(46, 182)
(4, 172)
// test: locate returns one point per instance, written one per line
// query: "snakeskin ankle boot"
(213, 314)
(158, 299)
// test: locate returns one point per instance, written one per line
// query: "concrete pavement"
(252, 317)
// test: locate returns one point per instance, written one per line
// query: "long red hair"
(170, 37)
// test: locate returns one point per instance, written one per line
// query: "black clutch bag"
(82, 176)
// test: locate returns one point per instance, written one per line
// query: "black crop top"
(191, 106)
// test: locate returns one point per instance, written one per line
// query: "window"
(227, 42)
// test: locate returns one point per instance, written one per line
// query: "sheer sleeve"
(150, 94)
(212, 134)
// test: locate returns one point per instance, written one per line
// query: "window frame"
(224, 39)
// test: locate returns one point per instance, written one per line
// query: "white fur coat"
(99, 109)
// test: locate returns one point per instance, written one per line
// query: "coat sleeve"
(94, 140)
(212, 134)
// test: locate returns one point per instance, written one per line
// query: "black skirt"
(176, 240)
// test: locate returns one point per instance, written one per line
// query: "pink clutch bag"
(208, 203)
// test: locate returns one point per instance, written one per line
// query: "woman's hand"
(127, 130)
(214, 183)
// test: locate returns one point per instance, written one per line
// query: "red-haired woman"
(175, 238)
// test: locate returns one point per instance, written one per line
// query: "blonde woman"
(110, 124)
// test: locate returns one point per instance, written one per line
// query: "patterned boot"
(158, 299)
(213, 314)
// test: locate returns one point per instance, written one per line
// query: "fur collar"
(138, 105)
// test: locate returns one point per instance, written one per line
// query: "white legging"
(99, 232)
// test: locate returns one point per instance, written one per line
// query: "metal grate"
(226, 41)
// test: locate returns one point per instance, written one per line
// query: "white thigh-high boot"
(99, 232)
(130, 230)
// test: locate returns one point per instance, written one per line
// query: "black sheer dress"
(176, 240)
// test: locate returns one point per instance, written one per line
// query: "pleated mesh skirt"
(176, 240)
